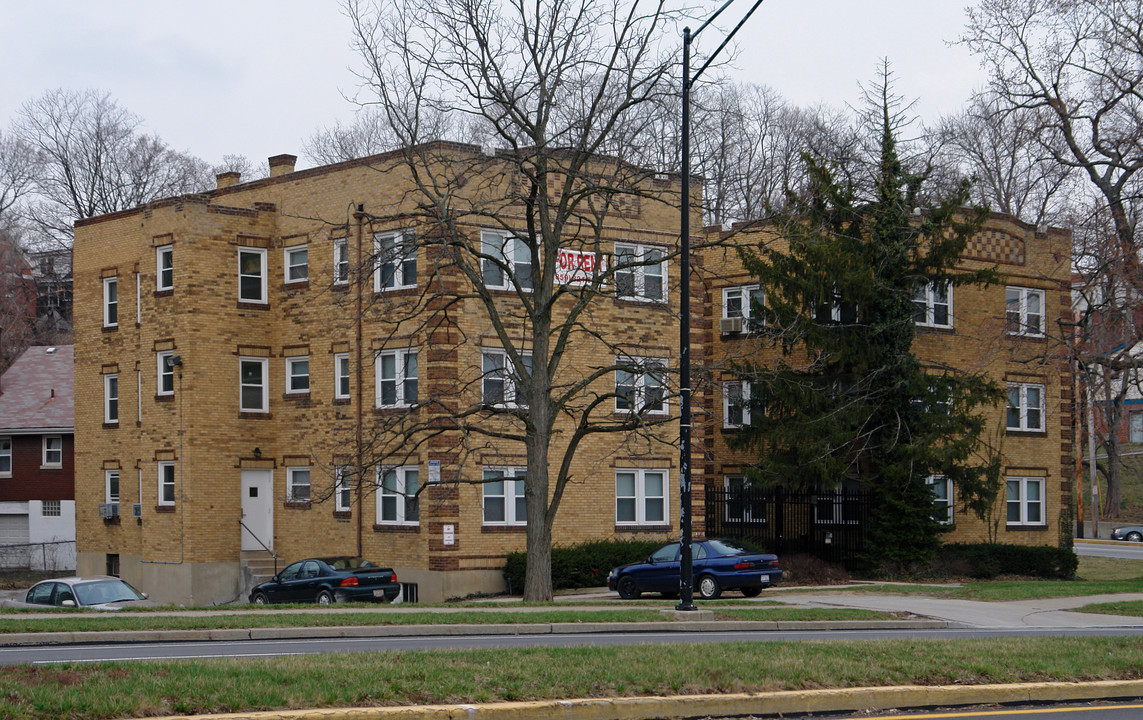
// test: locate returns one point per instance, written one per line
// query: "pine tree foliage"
(837, 394)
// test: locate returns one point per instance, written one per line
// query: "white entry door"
(257, 509)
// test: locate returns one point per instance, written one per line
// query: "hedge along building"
(1010, 332)
(340, 360)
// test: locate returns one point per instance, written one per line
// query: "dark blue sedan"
(718, 565)
(328, 580)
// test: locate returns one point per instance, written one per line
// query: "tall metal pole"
(686, 574)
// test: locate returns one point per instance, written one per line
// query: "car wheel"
(628, 588)
(325, 597)
(1134, 537)
(261, 599)
(708, 588)
(751, 592)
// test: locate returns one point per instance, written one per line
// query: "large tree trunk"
(538, 575)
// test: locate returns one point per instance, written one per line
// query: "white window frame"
(925, 298)
(745, 388)
(511, 481)
(338, 376)
(639, 270)
(340, 261)
(403, 502)
(642, 499)
(163, 370)
(1135, 427)
(743, 513)
(265, 385)
(290, 264)
(743, 296)
(293, 473)
(399, 249)
(942, 506)
(165, 476)
(110, 496)
(342, 489)
(1023, 406)
(1016, 321)
(495, 245)
(49, 452)
(51, 508)
(836, 501)
(1023, 502)
(292, 374)
(650, 367)
(5, 456)
(262, 277)
(111, 399)
(166, 252)
(505, 373)
(111, 302)
(401, 378)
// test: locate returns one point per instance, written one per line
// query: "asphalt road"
(1125, 550)
(282, 647)
(1052, 711)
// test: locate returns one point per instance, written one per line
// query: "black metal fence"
(828, 525)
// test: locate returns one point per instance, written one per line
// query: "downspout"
(360, 304)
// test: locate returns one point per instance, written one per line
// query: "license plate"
(379, 593)
(765, 578)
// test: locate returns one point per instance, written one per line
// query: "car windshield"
(105, 591)
(349, 563)
(724, 547)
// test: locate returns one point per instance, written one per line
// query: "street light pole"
(686, 574)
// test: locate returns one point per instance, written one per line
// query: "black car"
(718, 565)
(328, 580)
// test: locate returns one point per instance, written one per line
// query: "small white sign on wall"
(434, 472)
(450, 534)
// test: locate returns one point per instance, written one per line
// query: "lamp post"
(686, 575)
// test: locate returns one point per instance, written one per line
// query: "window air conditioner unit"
(108, 510)
(730, 325)
(137, 510)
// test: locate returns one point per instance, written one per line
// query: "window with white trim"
(942, 489)
(110, 302)
(164, 268)
(397, 495)
(297, 375)
(164, 373)
(53, 451)
(932, 305)
(297, 484)
(504, 496)
(396, 373)
(1025, 501)
(839, 506)
(5, 457)
(640, 272)
(736, 403)
(111, 486)
(296, 261)
(252, 275)
(500, 380)
(743, 503)
(836, 310)
(111, 399)
(51, 508)
(340, 261)
(166, 492)
(641, 387)
(253, 385)
(1024, 311)
(396, 254)
(504, 257)
(1025, 407)
(341, 376)
(742, 302)
(641, 497)
(342, 489)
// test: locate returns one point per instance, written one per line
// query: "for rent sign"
(577, 267)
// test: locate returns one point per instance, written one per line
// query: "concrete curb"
(771, 703)
(588, 628)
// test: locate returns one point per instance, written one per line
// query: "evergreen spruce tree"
(836, 392)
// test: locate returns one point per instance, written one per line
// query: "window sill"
(503, 529)
(643, 528)
(1026, 528)
(110, 425)
(297, 504)
(642, 302)
(165, 398)
(51, 467)
(398, 291)
(110, 328)
(340, 401)
(254, 415)
(395, 410)
(295, 285)
(395, 528)
(252, 305)
(342, 514)
(1026, 433)
(111, 520)
(1024, 336)
(937, 329)
(164, 293)
(164, 508)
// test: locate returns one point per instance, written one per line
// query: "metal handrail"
(267, 549)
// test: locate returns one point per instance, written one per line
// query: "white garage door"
(13, 531)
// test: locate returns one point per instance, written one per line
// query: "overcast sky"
(258, 77)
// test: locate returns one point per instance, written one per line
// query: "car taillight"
(774, 563)
(741, 566)
(349, 581)
(393, 577)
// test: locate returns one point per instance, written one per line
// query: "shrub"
(580, 566)
(988, 560)
(805, 569)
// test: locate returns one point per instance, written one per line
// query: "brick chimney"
(282, 164)
(227, 179)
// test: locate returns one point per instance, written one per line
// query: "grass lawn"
(93, 692)
(1130, 608)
